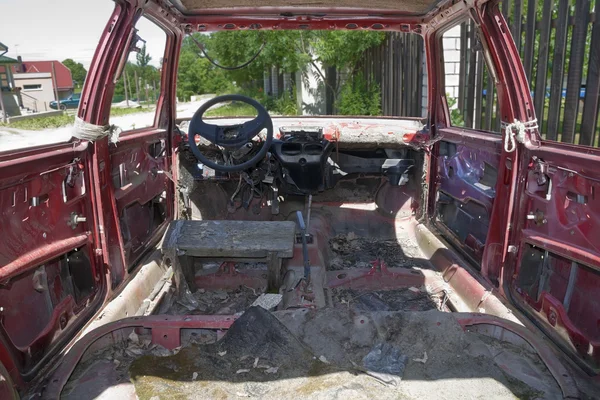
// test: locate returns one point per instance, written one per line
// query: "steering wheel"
(231, 137)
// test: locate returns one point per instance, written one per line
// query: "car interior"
(306, 256)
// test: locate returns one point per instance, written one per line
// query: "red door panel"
(467, 173)
(141, 190)
(557, 278)
(49, 278)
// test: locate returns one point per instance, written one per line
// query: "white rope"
(511, 139)
(92, 132)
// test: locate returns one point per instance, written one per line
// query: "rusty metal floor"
(319, 354)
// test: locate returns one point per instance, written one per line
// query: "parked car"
(70, 102)
(295, 256)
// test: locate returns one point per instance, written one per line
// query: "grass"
(117, 111)
(36, 124)
(232, 110)
(57, 121)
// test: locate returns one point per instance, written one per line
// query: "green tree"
(120, 85)
(78, 72)
(343, 49)
(197, 76)
(290, 51)
(143, 58)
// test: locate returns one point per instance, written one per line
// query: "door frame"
(514, 101)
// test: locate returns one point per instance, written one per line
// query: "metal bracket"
(512, 249)
(75, 219)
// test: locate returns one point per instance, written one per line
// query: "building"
(9, 93)
(37, 80)
(30, 86)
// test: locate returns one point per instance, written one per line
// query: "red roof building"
(64, 81)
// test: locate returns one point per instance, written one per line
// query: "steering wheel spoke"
(230, 137)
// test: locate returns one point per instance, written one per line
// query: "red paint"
(229, 278)
(39, 255)
(379, 277)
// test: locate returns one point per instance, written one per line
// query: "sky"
(59, 29)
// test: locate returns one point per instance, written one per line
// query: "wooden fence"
(559, 44)
(396, 66)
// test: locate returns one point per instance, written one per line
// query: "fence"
(397, 67)
(470, 89)
(559, 44)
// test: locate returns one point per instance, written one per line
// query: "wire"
(201, 47)
(239, 186)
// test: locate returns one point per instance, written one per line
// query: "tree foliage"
(148, 79)
(290, 51)
(197, 76)
(78, 72)
(143, 58)
(357, 98)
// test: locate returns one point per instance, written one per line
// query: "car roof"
(398, 7)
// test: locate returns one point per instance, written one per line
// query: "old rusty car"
(304, 256)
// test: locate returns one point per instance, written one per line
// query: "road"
(11, 139)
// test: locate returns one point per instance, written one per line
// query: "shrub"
(456, 118)
(358, 99)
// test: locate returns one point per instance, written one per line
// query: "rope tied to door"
(511, 138)
(91, 132)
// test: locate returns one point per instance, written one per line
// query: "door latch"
(537, 217)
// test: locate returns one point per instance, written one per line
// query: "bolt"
(63, 321)
(44, 235)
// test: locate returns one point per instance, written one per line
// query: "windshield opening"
(352, 73)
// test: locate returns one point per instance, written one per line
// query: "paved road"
(11, 139)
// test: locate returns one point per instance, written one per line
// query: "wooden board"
(231, 239)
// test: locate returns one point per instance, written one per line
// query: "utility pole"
(129, 87)
(55, 86)
(137, 86)
(125, 87)
(146, 87)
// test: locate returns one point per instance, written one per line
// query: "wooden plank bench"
(243, 241)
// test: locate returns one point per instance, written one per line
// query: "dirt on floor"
(104, 374)
(352, 251)
(325, 354)
(217, 302)
(405, 299)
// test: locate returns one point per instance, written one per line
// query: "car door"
(77, 216)
(51, 278)
(542, 250)
(556, 274)
(469, 171)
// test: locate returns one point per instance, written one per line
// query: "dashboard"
(303, 159)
